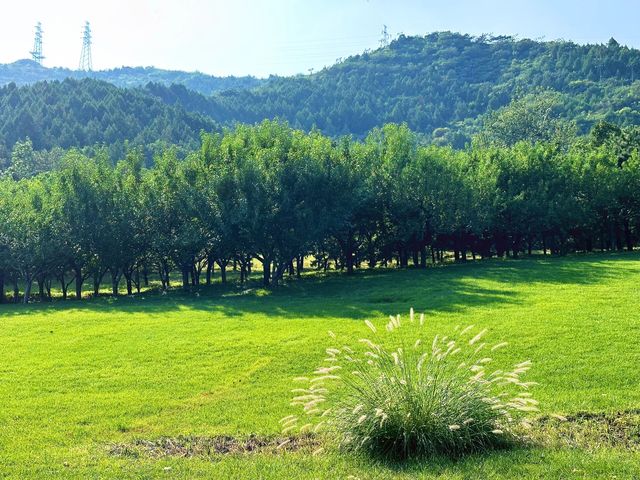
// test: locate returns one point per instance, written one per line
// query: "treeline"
(278, 195)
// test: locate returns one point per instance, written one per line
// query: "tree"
(533, 118)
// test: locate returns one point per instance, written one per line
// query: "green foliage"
(533, 118)
(444, 81)
(86, 113)
(277, 195)
(445, 86)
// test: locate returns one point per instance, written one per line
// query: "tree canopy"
(276, 195)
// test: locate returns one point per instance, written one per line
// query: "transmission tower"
(384, 40)
(36, 53)
(86, 62)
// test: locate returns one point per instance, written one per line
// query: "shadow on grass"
(441, 465)
(368, 292)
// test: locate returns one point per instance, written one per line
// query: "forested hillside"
(443, 85)
(447, 80)
(76, 113)
(25, 72)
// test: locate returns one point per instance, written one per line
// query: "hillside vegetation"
(442, 85)
(444, 80)
(78, 113)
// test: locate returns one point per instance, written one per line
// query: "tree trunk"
(210, 266)
(403, 257)
(28, 280)
(3, 298)
(349, 262)
(299, 265)
(266, 272)
(114, 282)
(97, 280)
(63, 286)
(223, 270)
(41, 295)
(415, 254)
(279, 271)
(627, 236)
(137, 279)
(162, 280)
(129, 284)
(78, 280)
(185, 277)
(619, 243)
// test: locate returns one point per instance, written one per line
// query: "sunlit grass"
(76, 378)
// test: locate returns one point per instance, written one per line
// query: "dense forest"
(25, 72)
(278, 195)
(443, 85)
(81, 113)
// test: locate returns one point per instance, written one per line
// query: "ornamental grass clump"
(398, 396)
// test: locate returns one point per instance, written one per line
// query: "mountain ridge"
(26, 72)
(442, 85)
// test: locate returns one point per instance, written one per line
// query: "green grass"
(76, 378)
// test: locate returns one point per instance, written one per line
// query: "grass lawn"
(78, 378)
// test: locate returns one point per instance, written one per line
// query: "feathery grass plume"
(400, 397)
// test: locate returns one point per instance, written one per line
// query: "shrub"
(398, 397)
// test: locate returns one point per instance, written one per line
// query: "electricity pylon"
(86, 62)
(36, 53)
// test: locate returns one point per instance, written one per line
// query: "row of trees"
(274, 195)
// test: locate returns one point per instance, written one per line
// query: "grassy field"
(78, 378)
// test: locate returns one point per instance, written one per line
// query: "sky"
(285, 37)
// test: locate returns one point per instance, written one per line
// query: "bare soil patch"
(588, 430)
(192, 446)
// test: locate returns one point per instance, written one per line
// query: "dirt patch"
(191, 446)
(588, 430)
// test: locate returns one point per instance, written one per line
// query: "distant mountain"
(25, 72)
(442, 85)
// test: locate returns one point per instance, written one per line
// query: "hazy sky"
(259, 37)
